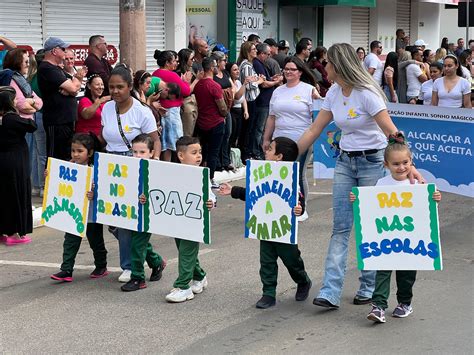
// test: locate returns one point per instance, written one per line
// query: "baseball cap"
(221, 48)
(420, 42)
(283, 44)
(53, 42)
(271, 42)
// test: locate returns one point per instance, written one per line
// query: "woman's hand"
(246, 115)
(224, 189)
(142, 199)
(352, 197)
(105, 99)
(266, 145)
(415, 175)
(210, 204)
(436, 196)
(394, 98)
(187, 76)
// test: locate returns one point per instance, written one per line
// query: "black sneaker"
(64, 276)
(157, 272)
(302, 291)
(321, 302)
(133, 285)
(265, 302)
(99, 272)
(359, 300)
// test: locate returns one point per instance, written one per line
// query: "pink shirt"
(93, 124)
(21, 101)
(169, 76)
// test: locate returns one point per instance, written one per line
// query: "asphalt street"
(38, 315)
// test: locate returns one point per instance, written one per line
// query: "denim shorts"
(172, 129)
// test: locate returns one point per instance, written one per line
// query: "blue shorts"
(172, 129)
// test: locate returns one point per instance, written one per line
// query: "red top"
(169, 76)
(207, 91)
(93, 124)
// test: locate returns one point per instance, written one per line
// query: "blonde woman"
(358, 106)
(440, 54)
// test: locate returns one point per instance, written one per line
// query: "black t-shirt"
(57, 108)
(224, 82)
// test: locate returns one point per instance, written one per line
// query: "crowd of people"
(197, 99)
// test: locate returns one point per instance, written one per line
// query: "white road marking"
(82, 267)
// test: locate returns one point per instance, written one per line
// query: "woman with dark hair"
(18, 61)
(465, 64)
(318, 60)
(185, 61)
(290, 113)
(171, 121)
(16, 218)
(426, 91)
(89, 109)
(124, 118)
(445, 44)
(452, 90)
(239, 111)
(361, 53)
(390, 77)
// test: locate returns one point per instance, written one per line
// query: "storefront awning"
(358, 3)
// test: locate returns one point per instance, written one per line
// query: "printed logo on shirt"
(127, 129)
(297, 98)
(352, 114)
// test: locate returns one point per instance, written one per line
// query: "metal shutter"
(403, 15)
(22, 22)
(360, 27)
(76, 21)
(155, 31)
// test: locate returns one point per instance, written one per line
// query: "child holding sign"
(398, 160)
(82, 152)
(189, 152)
(280, 149)
(141, 248)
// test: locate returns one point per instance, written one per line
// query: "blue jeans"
(38, 161)
(124, 237)
(349, 172)
(303, 159)
(256, 131)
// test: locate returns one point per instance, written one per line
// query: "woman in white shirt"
(124, 118)
(357, 105)
(452, 90)
(436, 70)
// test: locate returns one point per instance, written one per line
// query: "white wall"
(383, 23)
(337, 25)
(449, 26)
(301, 19)
(428, 25)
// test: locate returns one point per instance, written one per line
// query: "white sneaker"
(178, 295)
(35, 191)
(41, 194)
(303, 217)
(125, 276)
(199, 286)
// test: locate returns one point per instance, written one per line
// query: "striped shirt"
(252, 90)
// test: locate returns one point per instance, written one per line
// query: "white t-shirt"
(138, 119)
(292, 108)
(454, 98)
(372, 61)
(389, 180)
(414, 85)
(466, 74)
(426, 92)
(354, 115)
(238, 103)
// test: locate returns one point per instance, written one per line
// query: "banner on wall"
(272, 192)
(176, 196)
(201, 19)
(440, 138)
(397, 228)
(65, 202)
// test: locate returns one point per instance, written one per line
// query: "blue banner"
(439, 137)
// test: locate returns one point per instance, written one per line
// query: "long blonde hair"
(351, 70)
(440, 54)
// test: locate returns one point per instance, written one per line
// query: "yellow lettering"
(406, 199)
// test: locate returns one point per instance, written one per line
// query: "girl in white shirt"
(452, 90)
(436, 70)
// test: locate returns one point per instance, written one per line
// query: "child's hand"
(352, 197)
(90, 194)
(142, 199)
(210, 204)
(298, 210)
(45, 173)
(224, 189)
(437, 196)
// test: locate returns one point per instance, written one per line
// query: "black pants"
(58, 140)
(211, 142)
(237, 118)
